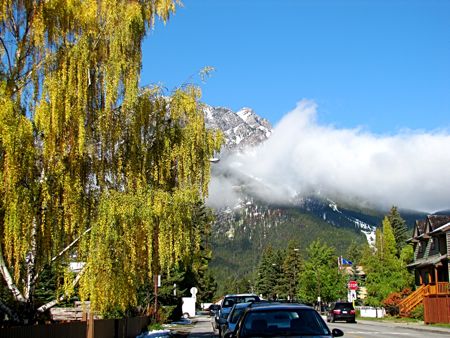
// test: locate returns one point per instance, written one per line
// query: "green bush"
(417, 312)
(154, 327)
(166, 313)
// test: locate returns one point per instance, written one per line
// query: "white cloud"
(410, 169)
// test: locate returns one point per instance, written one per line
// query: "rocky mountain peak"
(241, 129)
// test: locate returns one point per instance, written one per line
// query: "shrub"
(392, 301)
(417, 312)
(155, 326)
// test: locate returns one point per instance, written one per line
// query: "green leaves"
(81, 146)
(320, 276)
(386, 272)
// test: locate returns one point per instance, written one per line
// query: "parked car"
(276, 320)
(228, 325)
(228, 302)
(341, 311)
(213, 308)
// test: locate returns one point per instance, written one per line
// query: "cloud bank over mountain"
(302, 157)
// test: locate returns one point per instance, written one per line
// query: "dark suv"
(341, 311)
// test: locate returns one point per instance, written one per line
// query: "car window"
(284, 323)
(344, 306)
(228, 302)
(236, 314)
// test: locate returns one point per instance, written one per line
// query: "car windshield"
(230, 301)
(284, 322)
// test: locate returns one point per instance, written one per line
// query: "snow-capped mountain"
(251, 222)
(244, 129)
(241, 129)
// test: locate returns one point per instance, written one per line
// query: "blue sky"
(380, 65)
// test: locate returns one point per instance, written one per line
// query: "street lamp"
(295, 273)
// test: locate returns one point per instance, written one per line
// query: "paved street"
(362, 329)
(369, 329)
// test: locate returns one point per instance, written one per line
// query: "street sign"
(352, 285)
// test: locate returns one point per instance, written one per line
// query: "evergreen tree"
(292, 265)
(321, 276)
(399, 229)
(268, 273)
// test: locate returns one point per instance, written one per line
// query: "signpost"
(352, 287)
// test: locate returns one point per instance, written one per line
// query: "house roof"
(444, 227)
(430, 224)
(427, 261)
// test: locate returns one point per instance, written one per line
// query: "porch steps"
(413, 300)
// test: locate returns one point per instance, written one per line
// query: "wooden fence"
(103, 328)
(436, 309)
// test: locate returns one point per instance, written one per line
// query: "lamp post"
(296, 250)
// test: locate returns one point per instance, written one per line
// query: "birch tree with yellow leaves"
(92, 168)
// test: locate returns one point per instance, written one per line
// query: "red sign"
(353, 285)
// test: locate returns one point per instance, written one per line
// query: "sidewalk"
(412, 326)
(200, 327)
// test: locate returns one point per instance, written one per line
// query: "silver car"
(228, 325)
(228, 302)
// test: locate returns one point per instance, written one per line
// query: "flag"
(345, 261)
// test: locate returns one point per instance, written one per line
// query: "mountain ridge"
(243, 229)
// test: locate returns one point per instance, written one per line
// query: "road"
(363, 329)
(372, 329)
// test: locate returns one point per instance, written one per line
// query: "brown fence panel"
(104, 328)
(436, 309)
(135, 326)
(59, 330)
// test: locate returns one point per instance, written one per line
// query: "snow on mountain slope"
(241, 130)
(245, 129)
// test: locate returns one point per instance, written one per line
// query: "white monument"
(188, 307)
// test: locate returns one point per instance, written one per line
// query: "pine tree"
(399, 229)
(268, 273)
(291, 268)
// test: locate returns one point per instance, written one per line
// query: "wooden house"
(431, 241)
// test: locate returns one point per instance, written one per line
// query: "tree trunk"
(9, 281)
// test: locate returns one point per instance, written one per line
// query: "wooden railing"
(410, 302)
(416, 298)
(440, 288)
